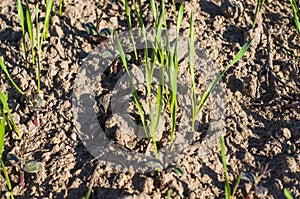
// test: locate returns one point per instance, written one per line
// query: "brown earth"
(259, 129)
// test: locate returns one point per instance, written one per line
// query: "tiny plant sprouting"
(24, 166)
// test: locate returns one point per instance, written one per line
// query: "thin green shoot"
(39, 40)
(88, 194)
(228, 193)
(60, 7)
(47, 19)
(296, 14)
(213, 84)
(169, 194)
(30, 30)
(22, 23)
(259, 5)
(139, 16)
(4, 99)
(128, 16)
(191, 51)
(7, 179)
(157, 47)
(2, 136)
(9, 77)
(139, 5)
(172, 72)
(154, 9)
(287, 194)
(236, 185)
(223, 157)
(142, 26)
(135, 95)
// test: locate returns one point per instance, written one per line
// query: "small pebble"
(286, 133)
(73, 136)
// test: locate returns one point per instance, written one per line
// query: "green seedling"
(191, 51)
(228, 193)
(177, 169)
(296, 14)
(172, 73)
(98, 36)
(135, 95)
(206, 94)
(258, 7)
(22, 166)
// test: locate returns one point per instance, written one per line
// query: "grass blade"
(2, 135)
(128, 16)
(7, 179)
(217, 79)
(22, 23)
(3, 99)
(9, 77)
(287, 194)
(60, 8)
(135, 95)
(191, 51)
(259, 4)
(88, 194)
(180, 16)
(173, 71)
(30, 30)
(296, 14)
(154, 9)
(236, 185)
(223, 157)
(47, 19)
(39, 40)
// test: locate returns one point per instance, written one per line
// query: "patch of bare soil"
(259, 129)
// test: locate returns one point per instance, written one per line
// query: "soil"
(259, 129)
